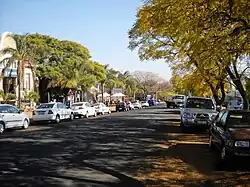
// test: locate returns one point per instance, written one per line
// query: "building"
(8, 71)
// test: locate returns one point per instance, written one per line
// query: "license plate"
(41, 113)
(201, 122)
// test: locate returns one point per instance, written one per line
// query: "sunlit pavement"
(136, 148)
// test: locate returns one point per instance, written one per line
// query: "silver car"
(12, 117)
(197, 112)
(54, 111)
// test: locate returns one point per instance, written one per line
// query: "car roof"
(197, 97)
(6, 105)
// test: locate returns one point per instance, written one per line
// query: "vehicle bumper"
(79, 112)
(99, 111)
(48, 117)
(239, 152)
(194, 123)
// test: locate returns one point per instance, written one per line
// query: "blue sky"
(99, 25)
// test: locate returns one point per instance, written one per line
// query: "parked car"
(12, 117)
(53, 111)
(230, 134)
(197, 112)
(130, 105)
(83, 109)
(176, 101)
(144, 104)
(137, 104)
(122, 106)
(101, 108)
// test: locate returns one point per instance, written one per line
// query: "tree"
(20, 54)
(203, 35)
(63, 65)
(147, 81)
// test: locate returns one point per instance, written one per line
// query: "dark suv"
(230, 134)
(122, 106)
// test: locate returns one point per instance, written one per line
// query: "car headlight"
(241, 144)
(188, 115)
(213, 116)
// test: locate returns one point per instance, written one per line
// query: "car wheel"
(25, 124)
(57, 120)
(109, 111)
(95, 114)
(103, 113)
(87, 115)
(71, 117)
(2, 127)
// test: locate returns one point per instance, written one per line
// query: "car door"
(14, 116)
(105, 108)
(61, 110)
(219, 128)
(89, 109)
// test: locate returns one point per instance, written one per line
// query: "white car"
(144, 104)
(101, 108)
(12, 117)
(137, 104)
(83, 109)
(54, 111)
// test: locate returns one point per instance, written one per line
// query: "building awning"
(10, 73)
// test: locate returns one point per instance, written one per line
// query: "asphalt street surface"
(136, 148)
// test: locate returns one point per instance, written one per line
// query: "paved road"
(137, 148)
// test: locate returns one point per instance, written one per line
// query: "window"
(27, 81)
(45, 106)
(200, 103)
(12, 109)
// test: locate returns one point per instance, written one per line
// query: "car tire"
(57, 120)
(103, 113)
(71, 117)
(87, 115)
(25, 124)
(2, 127)
(109, 112)
(95, 114)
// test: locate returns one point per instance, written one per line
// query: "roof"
(197, 97)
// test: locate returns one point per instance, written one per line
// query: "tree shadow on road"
(100, 150)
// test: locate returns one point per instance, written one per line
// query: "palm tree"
(19, 55)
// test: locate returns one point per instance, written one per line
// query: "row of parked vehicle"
(12, 117)
(228, 130)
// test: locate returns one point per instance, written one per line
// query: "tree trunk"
(215, 90)
(239, 86)
(43, 84)
(102, 92)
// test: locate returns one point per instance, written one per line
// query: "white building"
(8, 78)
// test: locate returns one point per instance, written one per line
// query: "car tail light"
(33, 113)
(80, 107)
(50, 112)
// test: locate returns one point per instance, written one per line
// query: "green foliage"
(32, 96)
(197, 37)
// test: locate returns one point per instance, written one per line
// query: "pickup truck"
(176, 101)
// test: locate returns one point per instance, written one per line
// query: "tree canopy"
(204, 37)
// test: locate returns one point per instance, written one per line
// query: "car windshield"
(179, 97)
(47, 105)
(239, 120)
(200, 103)
(77, 104)
(97, 104)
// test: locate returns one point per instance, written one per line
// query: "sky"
(101, 26)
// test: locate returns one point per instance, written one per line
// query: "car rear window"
(41, 106)
(199, 103)
(77, 104)
(239, 120)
